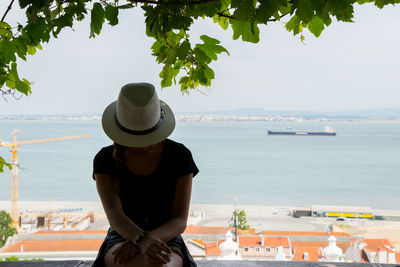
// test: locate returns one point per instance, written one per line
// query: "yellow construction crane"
(14, 163)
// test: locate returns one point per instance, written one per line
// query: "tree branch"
(281, 16)
(232, 17)
(172, 3)
(226, 16)
(8, 9)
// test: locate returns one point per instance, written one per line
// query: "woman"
(144, 182)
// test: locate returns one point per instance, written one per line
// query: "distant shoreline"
(96, 207)
(211, 118)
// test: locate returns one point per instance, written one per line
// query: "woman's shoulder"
(180, 157)
(105, 153)
(104, 161)
(176, 147)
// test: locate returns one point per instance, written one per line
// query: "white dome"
(229, 248)
(332, 252)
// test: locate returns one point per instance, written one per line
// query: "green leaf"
(171, 55)
(244, 9)
(80, 11)
(24, 3)
(305, 10)
(382, 3)
(208, 40)
(66, 20)
(316, 26)
(166, 75)
(222, 21)
(245, 29)
(293, 25)
(23, 86)
(7, 51)
(97, 19)
(208, 9)
(178, 65)
(360, 2)
(201, 56)
(342, 10)
(10, 83)
(21, 45)
(5, 30)
(209, 73)
(4, 163)
(211, 47)
(157, 47)
(38, 31)
(13, 81)
(183, 50)
(200, 76)
(185, 82)
(31, 50)
(266, 9)
(111, 14)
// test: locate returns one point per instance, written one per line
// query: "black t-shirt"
(148, 200)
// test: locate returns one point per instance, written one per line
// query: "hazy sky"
(350, 66)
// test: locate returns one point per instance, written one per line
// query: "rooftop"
(210, 263)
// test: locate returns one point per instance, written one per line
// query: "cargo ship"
(329, 131)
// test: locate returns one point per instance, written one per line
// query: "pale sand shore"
(260, 217)
(209, 210)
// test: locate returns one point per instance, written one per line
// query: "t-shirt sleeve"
(186, 163)
(104, 162)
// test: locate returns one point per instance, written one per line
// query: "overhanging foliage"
(168, 22)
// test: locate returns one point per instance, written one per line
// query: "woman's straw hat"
(138, 118)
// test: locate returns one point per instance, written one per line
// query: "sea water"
(237, 160)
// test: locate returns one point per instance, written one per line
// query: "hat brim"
(126, 139)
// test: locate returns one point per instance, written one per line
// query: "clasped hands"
(152, 248)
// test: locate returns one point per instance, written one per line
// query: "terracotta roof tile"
(314, 253)
(289, 233)
(252, 241)
(210, 230)
(69, 232)
(251, 231)
(201, 242)
(212, 249)
(342, 245)
(377, 244)
(54, 245)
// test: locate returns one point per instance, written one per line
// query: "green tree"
(4, 163)
(241, 219)
(168, 22)
(5, 227)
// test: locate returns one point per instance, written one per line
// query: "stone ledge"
(205, 263)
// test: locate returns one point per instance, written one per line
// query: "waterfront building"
(341, 211)
(373, 251)
(254, 247)
(55, 245)
(210, 234)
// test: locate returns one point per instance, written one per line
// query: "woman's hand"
(125, 252)
(154, 249)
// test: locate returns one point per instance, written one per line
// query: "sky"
(350, 66)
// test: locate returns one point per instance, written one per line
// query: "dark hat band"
(152, 129)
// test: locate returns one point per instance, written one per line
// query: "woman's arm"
(113, 208)
(180, 211)
(124, 226)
